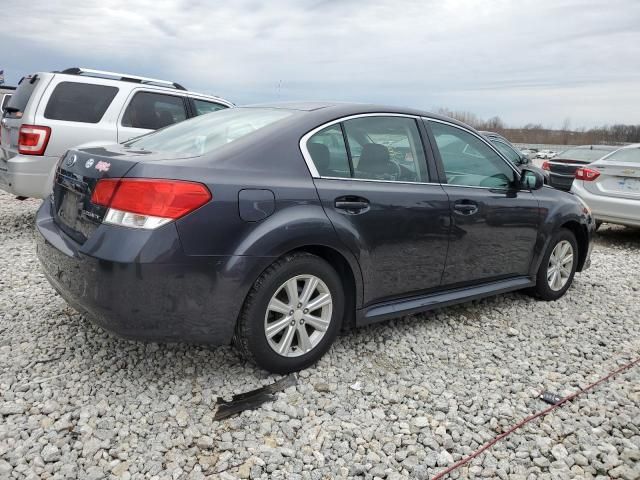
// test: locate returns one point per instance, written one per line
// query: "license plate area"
(68, 210)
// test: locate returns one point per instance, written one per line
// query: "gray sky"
(538, 61)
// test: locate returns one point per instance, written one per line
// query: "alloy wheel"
(298, 315)
(560, 265)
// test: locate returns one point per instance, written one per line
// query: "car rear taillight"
(148, 202)
(546, 165)
(587, 174)
(33, 139)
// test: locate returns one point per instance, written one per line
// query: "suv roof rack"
(121, 76)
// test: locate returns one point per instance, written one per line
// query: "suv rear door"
(147, 110)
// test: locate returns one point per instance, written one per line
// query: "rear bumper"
(27, 175)
(178, 298)
(622, 211)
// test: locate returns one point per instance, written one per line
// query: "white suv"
(51, 112)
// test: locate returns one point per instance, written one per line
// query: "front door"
(494, 226)
(373, 183)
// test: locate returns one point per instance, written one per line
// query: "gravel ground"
(402, 399)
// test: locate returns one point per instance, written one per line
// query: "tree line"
(536, 133)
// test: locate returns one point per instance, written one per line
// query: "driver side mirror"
(531, 179)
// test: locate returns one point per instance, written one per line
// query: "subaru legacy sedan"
(274, 227)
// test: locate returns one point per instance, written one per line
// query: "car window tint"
(507, 151)
(203, 107)
(21, 96)
(386, 148)
(5, 101)
(329, 152)
(468, 160)
(153, 111)
(79, 102)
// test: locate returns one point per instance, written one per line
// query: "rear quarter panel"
(216, 229)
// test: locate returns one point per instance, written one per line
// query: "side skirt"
(407, 306)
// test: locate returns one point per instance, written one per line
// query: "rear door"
(148, 110)
(494, 227)
(372, 178)
(619, 175)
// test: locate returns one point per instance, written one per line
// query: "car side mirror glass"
(531, 180)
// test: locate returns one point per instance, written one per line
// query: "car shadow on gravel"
(617, 235)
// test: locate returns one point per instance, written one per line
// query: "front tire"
(292, 314)
(558, 266)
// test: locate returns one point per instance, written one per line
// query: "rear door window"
(203, 107)
(152, 111)
(79, 102)
(329, 152)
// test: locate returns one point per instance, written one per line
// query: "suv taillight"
(148, 202)
(33, 139)
(587, 174)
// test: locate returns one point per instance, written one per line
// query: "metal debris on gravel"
(76, 402)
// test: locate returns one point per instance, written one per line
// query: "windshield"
(586, 154)
(625, 155)
(209, 132)
(507, 151)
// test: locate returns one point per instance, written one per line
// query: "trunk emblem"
(628, 172)
(89, 163)
(102, 166)
(70, 161)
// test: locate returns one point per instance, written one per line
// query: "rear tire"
(276, 329)
(558, 266)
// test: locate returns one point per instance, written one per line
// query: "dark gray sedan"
(276, 226)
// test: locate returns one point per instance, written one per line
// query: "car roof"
(133, 80)
(327, 111)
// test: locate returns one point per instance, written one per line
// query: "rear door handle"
(465, 208)
(352, 205)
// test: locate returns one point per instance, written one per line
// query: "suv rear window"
(79, 102)
(21, 97)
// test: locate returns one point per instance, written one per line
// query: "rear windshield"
(625, 155)
(206, 133)
(21, 97)
(79, 102)
(585, 154)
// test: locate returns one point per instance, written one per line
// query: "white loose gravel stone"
(401, 399)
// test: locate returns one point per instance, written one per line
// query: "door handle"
(352, 205)
(465, 208)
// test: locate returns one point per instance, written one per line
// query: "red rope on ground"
(520, 424)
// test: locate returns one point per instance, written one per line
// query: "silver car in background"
(611, 186)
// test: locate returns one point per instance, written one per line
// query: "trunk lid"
(617, 179)
(76, 176)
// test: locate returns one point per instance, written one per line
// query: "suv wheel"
(558, 266)
(292, 314)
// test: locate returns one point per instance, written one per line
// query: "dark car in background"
(563, 166)
(513, 154)
(276, 226)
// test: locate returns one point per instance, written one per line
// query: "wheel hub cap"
(298, 315)
(560, 265)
